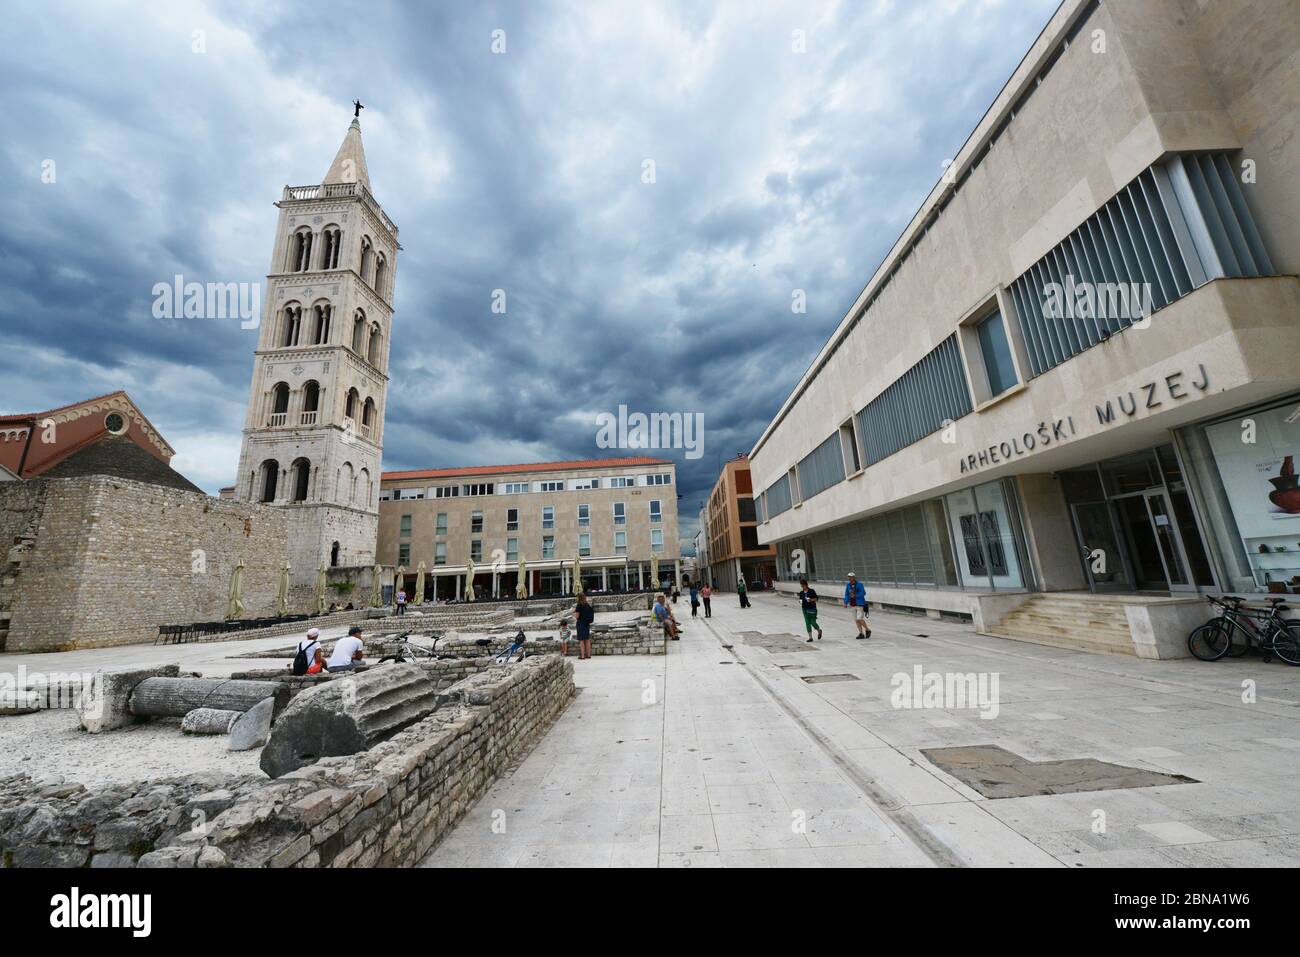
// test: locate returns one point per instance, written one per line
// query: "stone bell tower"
(314, 434)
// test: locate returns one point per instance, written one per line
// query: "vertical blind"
(916, 403)
(1178, 225)
(821, 468)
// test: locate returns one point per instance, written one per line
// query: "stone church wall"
(112, 559)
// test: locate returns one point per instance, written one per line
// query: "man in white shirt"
(347, 652)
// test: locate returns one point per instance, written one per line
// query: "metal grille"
(821, 468)
(917, 403)
(777, 497)
(1178, 225)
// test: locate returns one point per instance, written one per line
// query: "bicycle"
(409, 651)
(1274, 635)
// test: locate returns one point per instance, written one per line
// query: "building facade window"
(512, 549)
(440, 553)
(548, 546)
(476, 550)
(514, 488)
(512, 520)
(620, 543)
(441, 527)
(657, 512)
(999, 368)
(620, 513)
(622, 481)
(403, 554)
(584, 516)
(656, 539)
(476, 522)
(548, 516)
(406, 526)
(550, 486)
(584, 544)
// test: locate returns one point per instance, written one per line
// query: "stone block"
(106, 705)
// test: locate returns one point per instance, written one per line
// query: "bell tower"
(313, 436)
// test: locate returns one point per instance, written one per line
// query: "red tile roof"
(530, 467)
(28, 416)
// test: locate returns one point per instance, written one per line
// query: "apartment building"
(616, 517)
(734, 551)
(1081, 392)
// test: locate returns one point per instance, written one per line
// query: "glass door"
(1166, 534)
(1099, 544)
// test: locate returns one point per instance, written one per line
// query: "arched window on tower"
(334, 555)
(367, 417)
(279, 404)
(331, 243)
(291, 324)
(301, 478)
(310, 402)
(322, 313)
(270, 479)
(363, 488)
(346, 485)
(367, 257)
(350, 406)
(381, 273)
(372, 353)
(300, 250)
(359, 332)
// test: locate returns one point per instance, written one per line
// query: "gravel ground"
(51, 743)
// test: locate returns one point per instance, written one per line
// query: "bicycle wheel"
(1286, 642)
(1210, 642)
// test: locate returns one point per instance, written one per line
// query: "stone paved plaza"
(726, 756)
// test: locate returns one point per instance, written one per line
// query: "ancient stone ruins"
(362, 768)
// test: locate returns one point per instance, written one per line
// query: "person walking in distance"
(855, 598)
(695, 598)
(705, 594)
(808, 602)
(742, 592)
(401, 602)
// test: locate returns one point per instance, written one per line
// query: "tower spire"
(349, 164)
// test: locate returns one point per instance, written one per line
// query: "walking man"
(695, 598)
(705, 594)
(855, 597)
(742, 592)
(808, 602)
(401, 602)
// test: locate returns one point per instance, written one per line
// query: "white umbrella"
(399, 582)
(322, 605)
(469, 581)
(419, 583)
(577, 576)
(376, 594)
(235, 607)
(521, 584)
(654, 571)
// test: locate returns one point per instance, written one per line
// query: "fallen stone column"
(208, 721)
(348, 715)
(177, 697)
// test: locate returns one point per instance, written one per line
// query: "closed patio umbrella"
(521, 583)
(654, 571)
(577, 576)
(322, 605)
(419, 583)
(235, 607)
(282, 592)
(376, 587)
(399, 582)
(469, 581)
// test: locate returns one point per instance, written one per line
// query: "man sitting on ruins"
(312, 660)
(665, 617)
(347, 652)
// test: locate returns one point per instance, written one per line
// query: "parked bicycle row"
(1238, 628)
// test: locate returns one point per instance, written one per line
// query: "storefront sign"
(1151, 395)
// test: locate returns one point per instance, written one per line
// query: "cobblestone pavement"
(722, 754)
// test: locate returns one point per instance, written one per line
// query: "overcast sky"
(774, 170)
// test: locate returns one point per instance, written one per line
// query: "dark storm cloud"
(774, 171)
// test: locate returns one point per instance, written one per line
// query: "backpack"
(300, 662)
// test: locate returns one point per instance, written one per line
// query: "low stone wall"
(384, 807)
(445, 674)
(641, 637)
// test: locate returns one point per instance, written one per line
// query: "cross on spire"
(359, 107)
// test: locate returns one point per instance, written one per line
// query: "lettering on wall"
(1148, 396)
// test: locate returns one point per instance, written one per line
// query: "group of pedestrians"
(855, 598)
(348, 652)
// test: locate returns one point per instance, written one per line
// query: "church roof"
(349, 164)
(119, 456)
